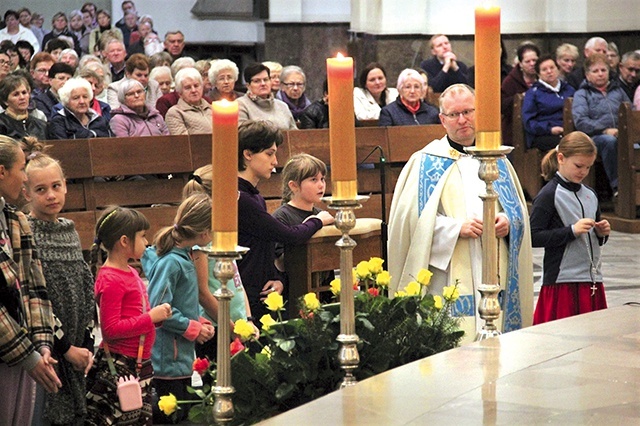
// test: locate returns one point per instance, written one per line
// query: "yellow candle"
(224, 163)
(342, 132)
(487, 72)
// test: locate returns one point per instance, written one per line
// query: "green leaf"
(287, 345)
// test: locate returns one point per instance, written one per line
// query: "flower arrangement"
(296, 361)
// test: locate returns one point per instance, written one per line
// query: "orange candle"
(342, 132)
(224, 162)
(487, 71)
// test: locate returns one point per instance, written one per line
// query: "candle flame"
(224, 102)
(487, 5)
(340, 56)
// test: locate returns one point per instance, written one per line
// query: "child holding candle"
(258, 143)
(566, 221)
(172, 279)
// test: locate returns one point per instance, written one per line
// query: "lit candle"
(224, 181)
(342, 132)
(487, 72)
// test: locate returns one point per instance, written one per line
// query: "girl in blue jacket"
(172, 279)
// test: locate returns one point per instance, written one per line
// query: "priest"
(436, 222)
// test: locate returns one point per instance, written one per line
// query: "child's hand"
(80, 358)
(206, 332)
(160, 313)
(326, 218)
(583, 226)
(603, 228)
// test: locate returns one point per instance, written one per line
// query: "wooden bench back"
(525, 161)
(628, 162)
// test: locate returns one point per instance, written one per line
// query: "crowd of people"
(89, 78)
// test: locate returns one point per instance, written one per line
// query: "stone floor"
(620, 268)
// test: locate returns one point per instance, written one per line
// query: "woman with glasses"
(136, 68)
(134, 117)
(409, 108)
(18, 120)
(259, 103)
(293, 82)
(5, 65)
(373, 93)
(223, 75)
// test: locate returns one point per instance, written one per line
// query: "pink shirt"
(119, 296)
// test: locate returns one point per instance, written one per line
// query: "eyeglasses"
(41, 70)
(259, 80)
(136, 93)
(225, 78)
(454, 115)
(294, 85)
(631, 69)
(3, 62)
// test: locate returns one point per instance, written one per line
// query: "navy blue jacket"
(542, 109)
(65, 125)
(397, 114)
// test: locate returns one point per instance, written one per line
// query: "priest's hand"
(502, 226)
(471, 228)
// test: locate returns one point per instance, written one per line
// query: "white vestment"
(436, 192)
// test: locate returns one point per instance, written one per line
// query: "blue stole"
(432, 168)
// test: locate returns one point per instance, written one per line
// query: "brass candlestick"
(345, 222)
(223, 390)
(489, 308)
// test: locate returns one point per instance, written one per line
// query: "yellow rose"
(266, 351)
(413, 288)
(267, 321)
(424, 277)
(168, 404)
(451, 293)
(335, 286)
(243, 329)
(375, 265)
(311, 301)
(400, 293)
(438, 302)
(383, 279)
(274, 301)
(362, 270)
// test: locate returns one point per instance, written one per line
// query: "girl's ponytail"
(193, 218)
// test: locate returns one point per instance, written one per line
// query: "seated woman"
(409, 108)
(134, 117)
(293, 81)
(519, 80)
(543, 104)
(192, 114)
(17, 120)
(275, 68)
(136, 68)
(316, 115)
(373, 93)
(97, 85)
(258, 143)
(223, 75)
(162, 75)
(566, 57)
(77, 120)
(259, 103)
(595, 112)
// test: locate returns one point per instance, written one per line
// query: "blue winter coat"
(65, 125)
(542, 109)
(172, 280)
(397, 114)
(593, 112)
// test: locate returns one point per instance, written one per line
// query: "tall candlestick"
(487, 72)
(224, 181)
(342, 132)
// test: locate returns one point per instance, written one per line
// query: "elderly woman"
(69, 57)
(134, 117)
(595, 112)
(409, 109)
(192, 114)
(259, 103)
(223, 75)
(521, 77)
(204, 65)
(543, 104)
(97, 85)
(373, 93)
(17, 121)
(275, 68)
(77, 28)
(77, 120)
(566, 57)
(293, 81)
(60, 28)
(104, 24)
(136, 68)
(162, 75)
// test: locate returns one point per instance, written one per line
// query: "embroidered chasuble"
(437, 190)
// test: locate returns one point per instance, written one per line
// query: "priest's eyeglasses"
(467, 113)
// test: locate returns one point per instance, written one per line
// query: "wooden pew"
(569, 126)
(628, 162)
(525, 161)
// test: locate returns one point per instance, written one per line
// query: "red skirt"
(565, 300)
